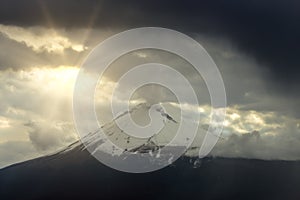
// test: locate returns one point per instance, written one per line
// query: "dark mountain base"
(77, 175)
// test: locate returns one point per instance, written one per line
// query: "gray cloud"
(48, 137)
(245, 79)
(283, 145)
(16, 151)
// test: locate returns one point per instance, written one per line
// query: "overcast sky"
(255, 44)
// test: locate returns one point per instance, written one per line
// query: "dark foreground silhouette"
(77, 175)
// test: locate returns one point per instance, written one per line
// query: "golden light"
(4, 123)
(55, 79)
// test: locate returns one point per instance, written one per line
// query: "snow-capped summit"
(163, 115)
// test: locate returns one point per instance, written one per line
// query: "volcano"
(74, 173)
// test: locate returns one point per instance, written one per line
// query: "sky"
(255, 44)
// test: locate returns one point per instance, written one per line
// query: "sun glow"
(54, 79)
(4, 123)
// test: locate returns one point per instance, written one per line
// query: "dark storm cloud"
(267, 30)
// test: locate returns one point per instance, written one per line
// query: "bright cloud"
(39, 95)
(41, 39)
(4, 123)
